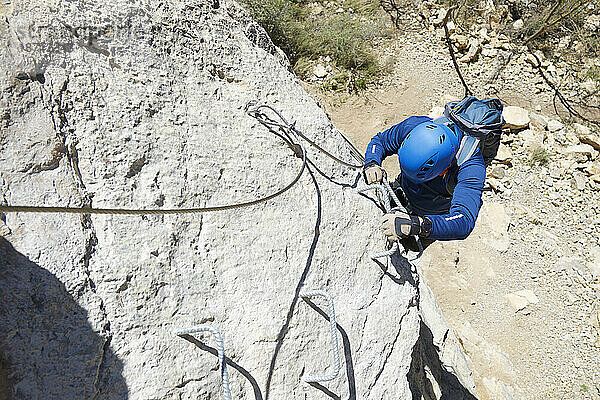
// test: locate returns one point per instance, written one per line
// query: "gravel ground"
(539, 231)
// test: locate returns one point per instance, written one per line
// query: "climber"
(443, 190)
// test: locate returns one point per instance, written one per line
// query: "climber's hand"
(373, 174)
(398, 225)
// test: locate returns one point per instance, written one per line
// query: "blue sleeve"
(386, 143)
(466, 202)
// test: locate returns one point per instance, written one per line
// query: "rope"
(253, 108)
(334, 338)
(392, 194)
(388, 193)
(385, 197)
(286, 131)
(220, 351)
(297, 148)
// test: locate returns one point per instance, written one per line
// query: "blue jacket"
(451, 201)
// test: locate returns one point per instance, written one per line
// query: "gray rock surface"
(141, 105)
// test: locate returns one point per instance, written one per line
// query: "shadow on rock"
(427, 377)
(48, 350)
(402, 267)
(347, 357)
(257, 393)
(311, 253)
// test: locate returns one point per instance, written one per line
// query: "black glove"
(398, 225)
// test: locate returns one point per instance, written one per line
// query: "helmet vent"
(427, 165)
(431, 126)
(442, 138)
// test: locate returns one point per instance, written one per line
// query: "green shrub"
(344, 40)
(584, 388)
(345, 37)
(539, 156)
(303, 67)
(282, 20)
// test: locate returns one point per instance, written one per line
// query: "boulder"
(483, 35)
(593, 168)
(504, 154)
(518, 24)
(461, 42)
(589, 85)
(580, 181)
(515, 117)
(438, 19)
(320, 71)
(489, 52)
(571, 137)
(538, 121)
(521, 299)
(141, 105)
(474, 49)
(591, 139)
(555, 125)
(532, 139)
(581, 129)
(592, 23)
(498, 172)
(581, 150)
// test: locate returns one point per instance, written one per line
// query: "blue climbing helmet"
(427, 151)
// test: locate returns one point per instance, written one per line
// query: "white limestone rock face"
(141, 105)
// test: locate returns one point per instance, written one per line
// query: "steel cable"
(296, 147)
(253, 108)
(334, 338)
(388, 194)
(286, 129)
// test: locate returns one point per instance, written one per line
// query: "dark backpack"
(481, 119)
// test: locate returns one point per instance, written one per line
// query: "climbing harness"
(220, 351)
(334, 338)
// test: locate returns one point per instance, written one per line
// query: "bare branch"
(558, 95)
(449, 43)
(544, 23)
(563, 16)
